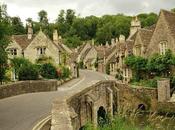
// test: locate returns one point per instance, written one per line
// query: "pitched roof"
(85, 53)
(22, 40)
(170, 19)
(129, 46)
(145, 35)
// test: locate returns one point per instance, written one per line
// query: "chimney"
(30, 31)
(93, 42)
(122, 39)
(107, 44)
(135, 26)
(60, 39)
(113, 42)
(55, 36)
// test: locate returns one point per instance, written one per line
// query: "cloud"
(30, 8)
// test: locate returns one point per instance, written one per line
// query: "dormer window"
(163, 47)
(13, 52)
(41, 50)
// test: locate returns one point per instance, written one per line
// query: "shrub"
(17, 63)
(48, 71)
(65, 72)
(81, 65)
(28, 72)
(44, 59)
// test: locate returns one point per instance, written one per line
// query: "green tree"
(138, 66)
(17, 26)
(43, 17)
(4, 40)
(70, 16)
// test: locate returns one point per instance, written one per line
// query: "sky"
(30, 8)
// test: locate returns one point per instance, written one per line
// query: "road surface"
(22, 112)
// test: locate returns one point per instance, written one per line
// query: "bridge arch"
(101, 116)
(141, 107)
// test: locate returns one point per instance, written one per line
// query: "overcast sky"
(30, 8)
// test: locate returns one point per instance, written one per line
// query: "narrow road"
(23, 111)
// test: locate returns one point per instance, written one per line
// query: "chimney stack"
(122, 39)
(30, 31)
(55, 36)
(113, 42)
(93, 43)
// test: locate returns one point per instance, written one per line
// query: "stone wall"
(133, 97)
(166, 107)
(27, 87)
(76, 110)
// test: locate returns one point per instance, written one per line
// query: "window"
(138, 51)
(163, 47)
(41, 51)
(13, 52)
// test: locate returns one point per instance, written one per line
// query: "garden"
(146, 71)
(23, 69)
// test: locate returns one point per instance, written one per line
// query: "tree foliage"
(4, 40)
(28, 72)
(48, 71)
(157, 65)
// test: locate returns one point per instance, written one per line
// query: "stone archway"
(141, 107)
(101, 116)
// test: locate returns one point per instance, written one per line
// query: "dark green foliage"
(17, 26)
(73, 41)
(81, 65)
(48, 71)
(65, 72)
(148, 19)
(4, 40)
(160, 65)
(17, 63)
(28, 72)
(138, 65)
(145, 70)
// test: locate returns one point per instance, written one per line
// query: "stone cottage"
(34, 46)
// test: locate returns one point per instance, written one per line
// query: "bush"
(28, 72)
(17, 63)
(48, 71)
(65, 72)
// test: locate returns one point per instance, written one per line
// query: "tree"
(4, 40)
(138, 66)
(70, 16)
(43, 17)
(173, 10)
(17, 26)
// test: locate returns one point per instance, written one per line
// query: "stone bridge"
(97, 100)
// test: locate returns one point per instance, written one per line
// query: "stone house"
(34, 46)
(163, 37)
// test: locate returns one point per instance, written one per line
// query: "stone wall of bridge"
(23, 87)
(82, 107)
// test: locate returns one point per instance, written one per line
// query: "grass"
(126, 119)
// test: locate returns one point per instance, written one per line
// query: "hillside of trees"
(75, 29)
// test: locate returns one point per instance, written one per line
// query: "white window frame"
(163, 47)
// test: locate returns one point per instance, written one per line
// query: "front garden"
(23, 69)
(146, 71)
